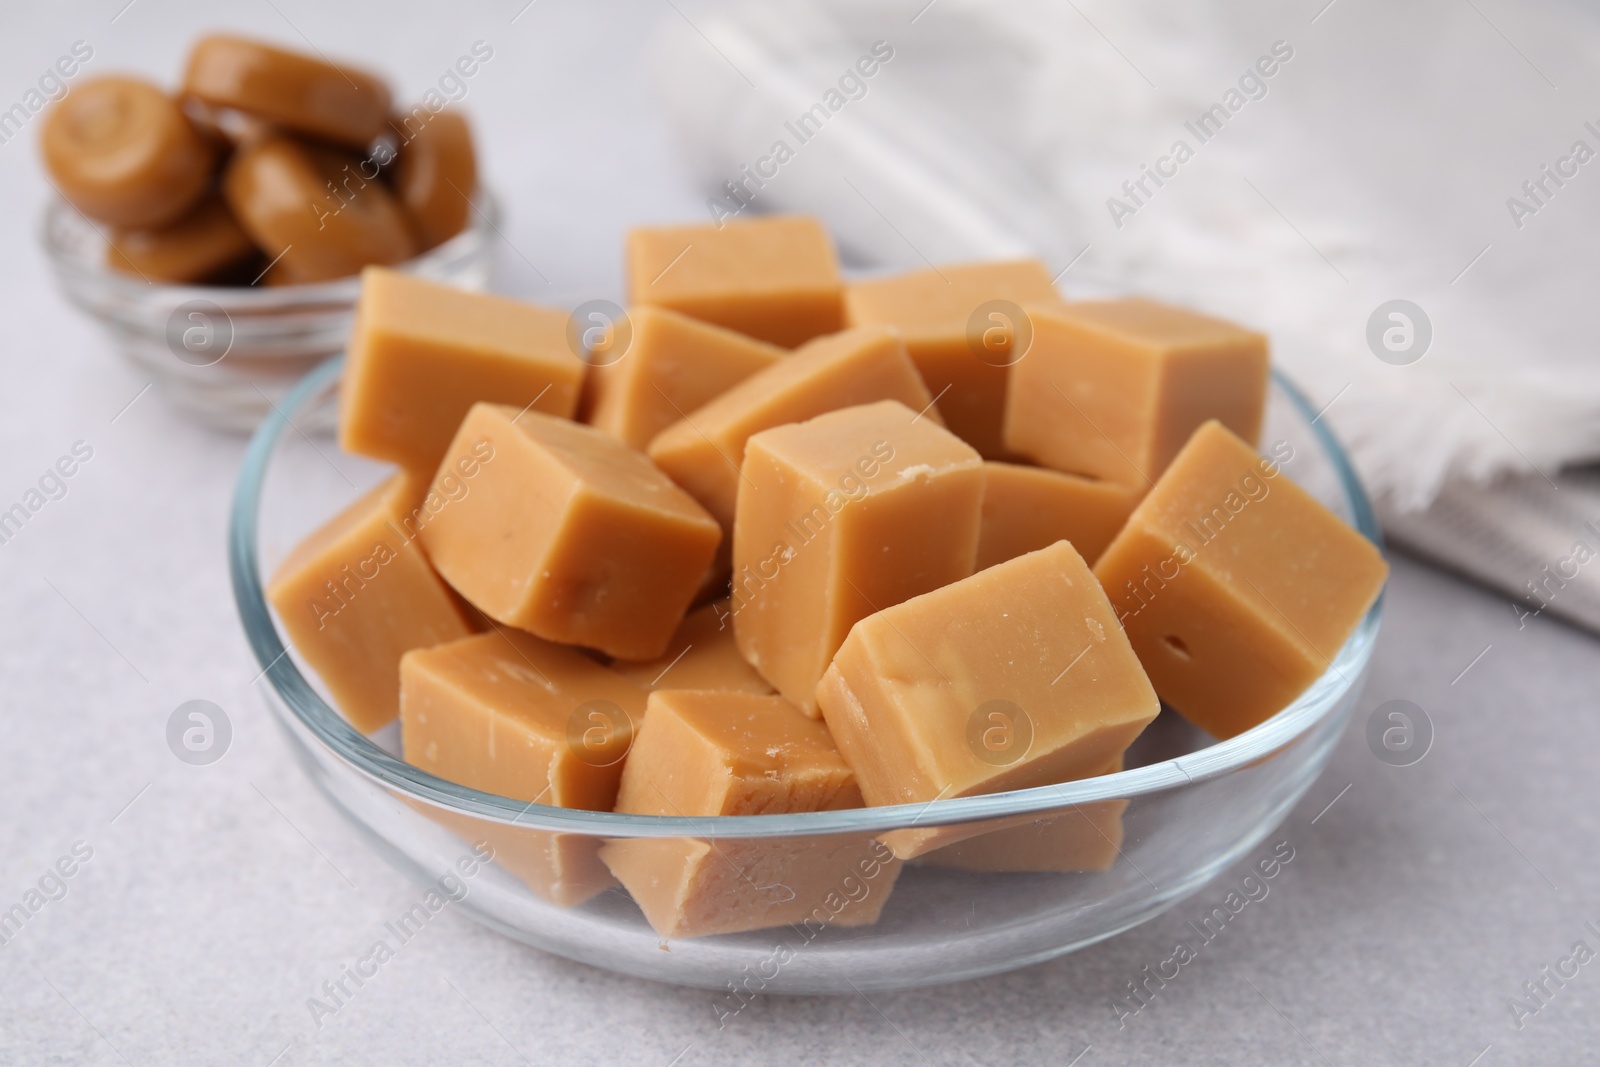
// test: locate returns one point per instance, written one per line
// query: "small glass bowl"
(1188, 807)
(225, 355)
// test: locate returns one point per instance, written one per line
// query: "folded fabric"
(1298, 173)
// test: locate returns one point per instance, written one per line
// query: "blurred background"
(1378, 163)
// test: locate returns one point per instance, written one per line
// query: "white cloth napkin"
(1356, 154)
(1377, 165)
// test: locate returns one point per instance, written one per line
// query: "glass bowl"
(224, 355)
(1188, 807)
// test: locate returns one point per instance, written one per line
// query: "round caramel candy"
(223, 125)
(276, 277)
(318, 212)
(435, 173)
(121, 151)
(287, 89)
(199, 247)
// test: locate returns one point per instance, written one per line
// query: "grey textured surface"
(218, 898)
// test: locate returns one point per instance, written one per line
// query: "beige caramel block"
(510, 714)
(703, 753)
(1236, 587)
(1112, 389)
(1028, 508)
(1015, 677)
(703, 452)
(701, 655)
(564, 869)
(774, 278)
(422, 353)
(570, 534)
(695, 887)
(710, 752)
(1085, 837)
(841, 516)
(959, 324)
(357, 594)
(672, 365)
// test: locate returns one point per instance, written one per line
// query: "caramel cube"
(1016, 677)
(358, 593)
(1028, 508)
(672, 365)
(1112, 389)
(510, 714)
(703, 452)
(564, 869)
(701, 655)
(1085, 837)
(422, 353)
(959, 323)
(570, 534)
(774, 278)
(839, 517)
(705, 753)
(1236, 586)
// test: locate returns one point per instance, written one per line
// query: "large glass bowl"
(224, 355)
(1189, 806)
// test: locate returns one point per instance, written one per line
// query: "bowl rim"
(315, 716)
(483, 222)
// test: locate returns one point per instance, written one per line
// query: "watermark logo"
(1399, 332)
(1252, 85)
(199, 332)
(451, 887)
(599, 733)
(51, 887)
(740, 191)
(199, 732)
(599, 332)
(1399, 733)
(52, 85)
(999, 333)
(999, 732)
(1141, 991)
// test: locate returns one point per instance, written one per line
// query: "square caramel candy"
(564, 869)
(513, 715)
(668, 366)
(702, 753)
(1015, 677)
(1027, 508)
(841, 516)
(510, 714)
(1084, 837)
(775, 278)
(1113, 388)
(960, 324)
(570, 534)
(422, 353)
(359, 593)
(703, 452)
(701, 655)
(1236, 586)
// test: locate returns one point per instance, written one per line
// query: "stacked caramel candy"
(267, 166)
(776, 542)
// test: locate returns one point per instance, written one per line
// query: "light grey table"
(216, 899)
